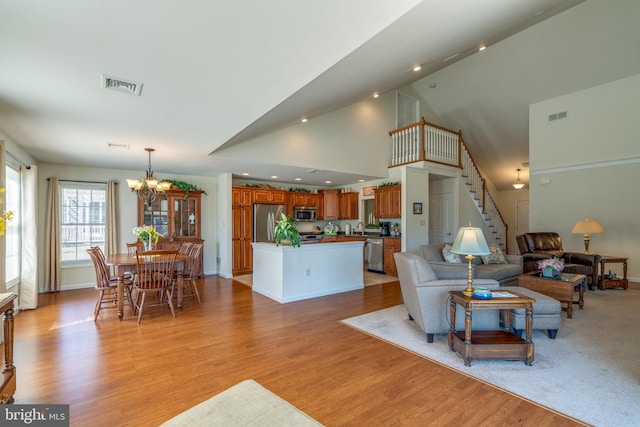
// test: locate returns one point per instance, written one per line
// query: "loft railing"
(428, 142)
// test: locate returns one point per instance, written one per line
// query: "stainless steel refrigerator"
(264, 221)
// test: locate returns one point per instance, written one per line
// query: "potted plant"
(286, 233)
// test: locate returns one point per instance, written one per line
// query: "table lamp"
(470, 242)
(587, 227)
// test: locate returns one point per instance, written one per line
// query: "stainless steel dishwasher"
(374, 254)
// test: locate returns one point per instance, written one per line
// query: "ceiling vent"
(109, 82)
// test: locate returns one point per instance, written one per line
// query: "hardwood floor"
(118, 373)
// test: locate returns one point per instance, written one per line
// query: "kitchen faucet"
(360, 226)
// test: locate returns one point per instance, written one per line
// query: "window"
(13, 234)
(83, 218)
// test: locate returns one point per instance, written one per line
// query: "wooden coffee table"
(561, 289)
(501, 344)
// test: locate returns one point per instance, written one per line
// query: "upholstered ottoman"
(546, 312)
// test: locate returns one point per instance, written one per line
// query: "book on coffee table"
(503, 294)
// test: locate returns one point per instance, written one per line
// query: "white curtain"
(111, 243)
(29, 273)
(52, 279)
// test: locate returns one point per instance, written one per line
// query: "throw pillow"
(450, 256)
(495, 257)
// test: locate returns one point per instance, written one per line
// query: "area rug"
(591, 371)
(245, 404)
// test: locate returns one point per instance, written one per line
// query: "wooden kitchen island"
(287, 274)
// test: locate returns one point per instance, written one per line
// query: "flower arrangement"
(551, 267)
(5, 217)
(552, 263)
(147, 234)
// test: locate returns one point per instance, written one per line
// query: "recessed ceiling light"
(274, 176)
(361, 180)
(245, 173)
(297, 179)
(482, 47)
(304, 120)
(417, 67)
(375, 94)
(327, 182)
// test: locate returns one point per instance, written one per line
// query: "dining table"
(123, 263)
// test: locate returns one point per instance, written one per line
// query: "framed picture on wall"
(417, 208)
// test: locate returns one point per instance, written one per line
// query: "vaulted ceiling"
(217, 73)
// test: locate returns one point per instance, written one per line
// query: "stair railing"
(428, 142)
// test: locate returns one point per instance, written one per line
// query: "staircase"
(428, 142)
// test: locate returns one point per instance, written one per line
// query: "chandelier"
(149, 187)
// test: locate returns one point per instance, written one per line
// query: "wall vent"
(126, 86)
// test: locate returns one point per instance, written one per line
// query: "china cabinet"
(176, 215)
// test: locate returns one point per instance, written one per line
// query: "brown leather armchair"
(537, 246)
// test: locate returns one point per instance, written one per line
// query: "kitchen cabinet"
(300, 199)
(388, 202)
(329, 208)
(348, 203)
(266, 195)
(175, 215)
(242, 231)
(390, 246)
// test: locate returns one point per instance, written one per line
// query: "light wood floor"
(116, 373)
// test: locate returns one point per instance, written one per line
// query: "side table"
(605, 282)
(491, 344)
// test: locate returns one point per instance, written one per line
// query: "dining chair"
(189, 277)
(132, 248)
(185, 247)
(154, 273)
(106, 284)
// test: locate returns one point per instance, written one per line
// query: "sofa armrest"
(582, 258)
(452, 270)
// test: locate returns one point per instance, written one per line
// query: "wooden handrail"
(473, 176)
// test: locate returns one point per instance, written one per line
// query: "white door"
(441, 218)
(522, 218)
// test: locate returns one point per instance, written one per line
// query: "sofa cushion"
(495, 256)
(450, 256)
(432, 252)
(498, 271)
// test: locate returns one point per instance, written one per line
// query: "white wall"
(588, 165)
(76, 277)
(353, 138)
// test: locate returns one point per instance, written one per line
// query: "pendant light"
(518, 185)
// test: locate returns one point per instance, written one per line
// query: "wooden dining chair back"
(154, 273)
(132, 248)
(191, 270)
(105, 283)
(185, 248)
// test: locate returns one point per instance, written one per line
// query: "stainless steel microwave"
(305, 213)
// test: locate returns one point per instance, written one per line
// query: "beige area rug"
(245, 404)
(370, 279)
(589, 372)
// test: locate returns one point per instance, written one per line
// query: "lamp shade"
(590, 226)
(470, 241)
